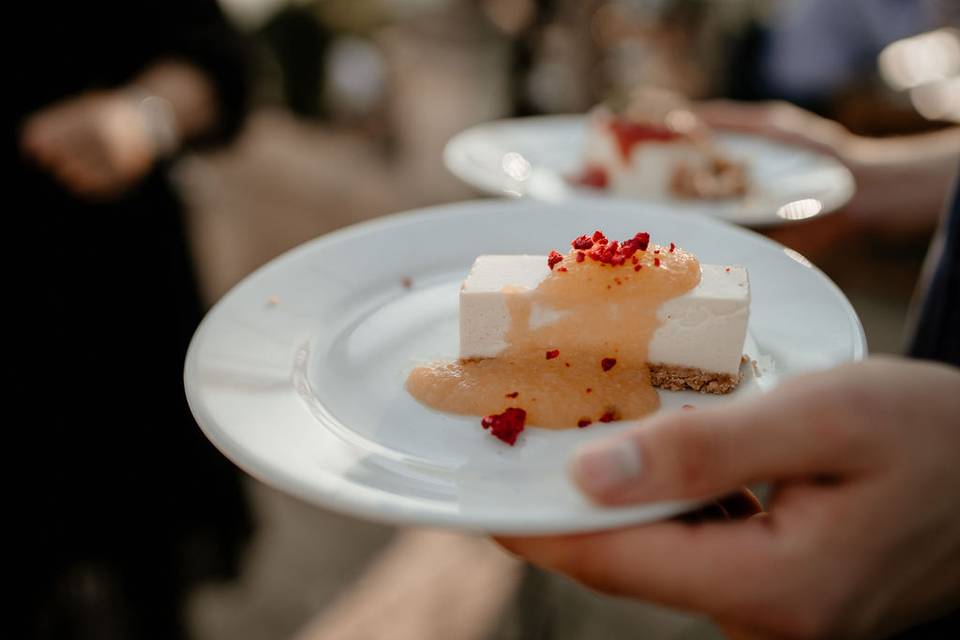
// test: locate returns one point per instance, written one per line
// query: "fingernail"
(602, 467)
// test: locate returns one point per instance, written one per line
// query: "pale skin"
(902, 181)
(862, 529)
(98, 144)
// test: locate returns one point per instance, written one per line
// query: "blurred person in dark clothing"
(817, 49)
(815, 52)
(127, 506)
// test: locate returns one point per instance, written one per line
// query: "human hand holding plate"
(862, 525)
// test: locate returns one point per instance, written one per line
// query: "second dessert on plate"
(651, 144)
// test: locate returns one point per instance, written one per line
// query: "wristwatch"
(159, 119)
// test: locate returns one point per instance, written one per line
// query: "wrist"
(159, 120)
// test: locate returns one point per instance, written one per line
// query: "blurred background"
(351, 103)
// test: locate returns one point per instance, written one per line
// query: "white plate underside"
(297, 374)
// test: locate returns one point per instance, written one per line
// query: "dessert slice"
(698, 345)
(569, 340)
(652, 145)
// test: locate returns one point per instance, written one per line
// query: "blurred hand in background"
(96, 144)
(902, 181)
(99, 144)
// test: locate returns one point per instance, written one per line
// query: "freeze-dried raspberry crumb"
(589, 390)
(673, 247)
(512, 394)
(616, 253)
(562, 270)
(605, 252)
(553, 259)
(638, 267)
(608, 416)
(507, 425)
(656, 262)
(608, 363)
(643, 240)
(582, 243)
(584, 422)
(727, 269)
(598, 248)
(553, 353)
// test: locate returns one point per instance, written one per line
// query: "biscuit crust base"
(676, 378)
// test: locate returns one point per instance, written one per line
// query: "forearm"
(907, 176)
(935, 151)
(902, 182)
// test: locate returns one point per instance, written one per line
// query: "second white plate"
(536, 157)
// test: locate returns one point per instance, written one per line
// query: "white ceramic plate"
(536, 156)
(298, 373)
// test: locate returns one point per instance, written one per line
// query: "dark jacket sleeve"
(935, 336)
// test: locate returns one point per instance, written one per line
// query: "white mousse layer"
(703, 329)
(649, 169)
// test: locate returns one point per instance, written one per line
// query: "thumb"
(803, 428)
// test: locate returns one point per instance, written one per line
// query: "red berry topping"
(638, 267)
(584, 422)
(595, 177)
(562, 270)
(553, 353)
(642, 239)
(608, 363)
(583, 243)
(598, 248)
(673, 247)
(513, 394)
(608, 416)
(656, 262)
(629, 133)
(589, 390)
(553, 259)
(507, 425)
